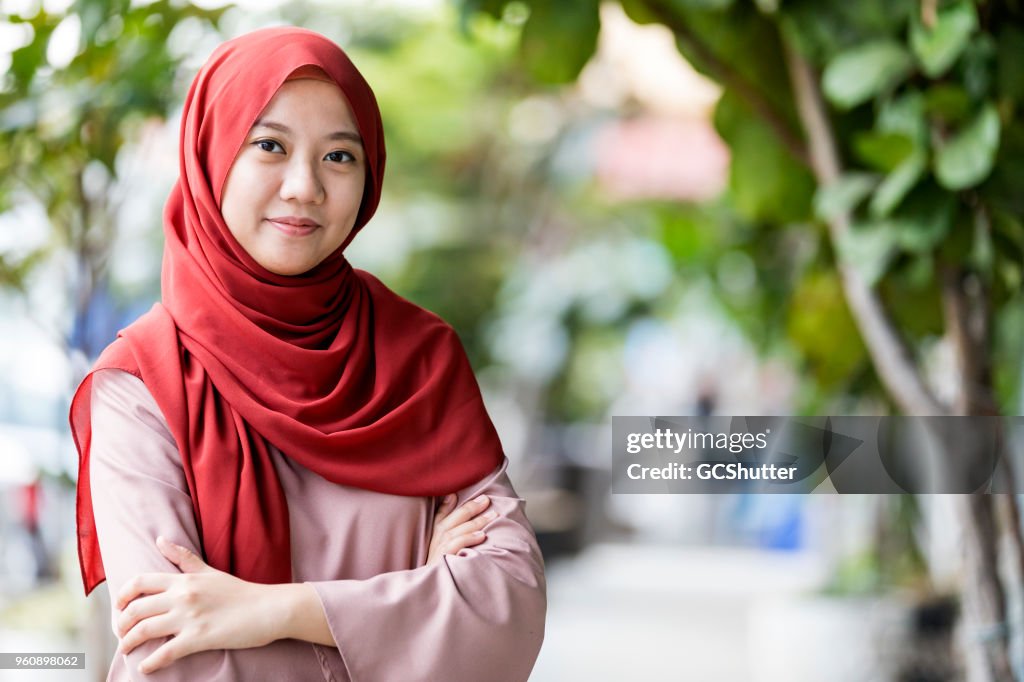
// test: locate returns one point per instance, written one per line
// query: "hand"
(456, 529)
(201, 608)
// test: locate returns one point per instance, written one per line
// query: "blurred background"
(634, 207)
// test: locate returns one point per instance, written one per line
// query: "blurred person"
(29, 512)
(286, 470)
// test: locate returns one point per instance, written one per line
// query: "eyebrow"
(349, 135)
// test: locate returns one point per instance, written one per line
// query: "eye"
(340, 157)
(269, 146)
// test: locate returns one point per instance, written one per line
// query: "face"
(293, 192)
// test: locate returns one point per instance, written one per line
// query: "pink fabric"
(478, 615)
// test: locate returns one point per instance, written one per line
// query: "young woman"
(287, 471)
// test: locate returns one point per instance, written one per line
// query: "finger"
(456, 545)
(151, 628)
(465, 512)
(446, 506)
(143, 607)
(473, 525)
(182, 557)
(167, 653)
(144, 583)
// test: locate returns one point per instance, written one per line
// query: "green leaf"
(919, 273)
(559, 38)
(937, 48)
(882, 151)
(860, 73)
(819, 324)
(905, 115)
(819, 30)
(843, 196)
(869, 248)
(967, 158)
(766, 183)
(897, 184)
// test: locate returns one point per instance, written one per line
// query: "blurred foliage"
(928, 127)
(925, 106)
(922, 103)
(81, 84)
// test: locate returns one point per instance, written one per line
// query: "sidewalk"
(661, 613)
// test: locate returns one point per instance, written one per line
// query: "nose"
(302, 183)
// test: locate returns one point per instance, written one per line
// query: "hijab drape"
(344, 376)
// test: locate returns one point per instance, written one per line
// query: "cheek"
(240, 203)
(351, 198)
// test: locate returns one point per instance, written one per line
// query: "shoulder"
(120, 401)
(130, 443)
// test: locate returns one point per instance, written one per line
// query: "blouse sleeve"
(475, 615)
(139, 492)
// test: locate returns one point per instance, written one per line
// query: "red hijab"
(342, 375)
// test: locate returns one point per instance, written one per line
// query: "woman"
(270, 458)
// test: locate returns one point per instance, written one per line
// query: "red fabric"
(341, 374)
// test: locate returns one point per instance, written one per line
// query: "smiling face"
(292, 194)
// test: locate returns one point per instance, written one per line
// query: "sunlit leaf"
(898, 183)
(860, 73)
(842, 196)
(967, 158)
(905, 115)
(869, 248)
(936, 48)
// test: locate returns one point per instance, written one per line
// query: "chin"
(289, 269)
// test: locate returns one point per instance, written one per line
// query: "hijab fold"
(331, 367)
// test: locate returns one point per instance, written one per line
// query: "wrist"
(281, 610)
(295, 613)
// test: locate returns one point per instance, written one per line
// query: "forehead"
(305, 103)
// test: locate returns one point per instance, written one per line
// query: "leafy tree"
(78, 88)
(888, 133)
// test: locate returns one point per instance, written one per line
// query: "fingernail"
(491, 515)
(481, 499)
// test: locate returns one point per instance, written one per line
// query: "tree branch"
(734, 81)
(967, 326)
(894, 363)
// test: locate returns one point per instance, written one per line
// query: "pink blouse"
(476, 615)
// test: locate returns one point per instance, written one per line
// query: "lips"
(293, 225)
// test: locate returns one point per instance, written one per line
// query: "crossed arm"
(475, 607)
(202, 608)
